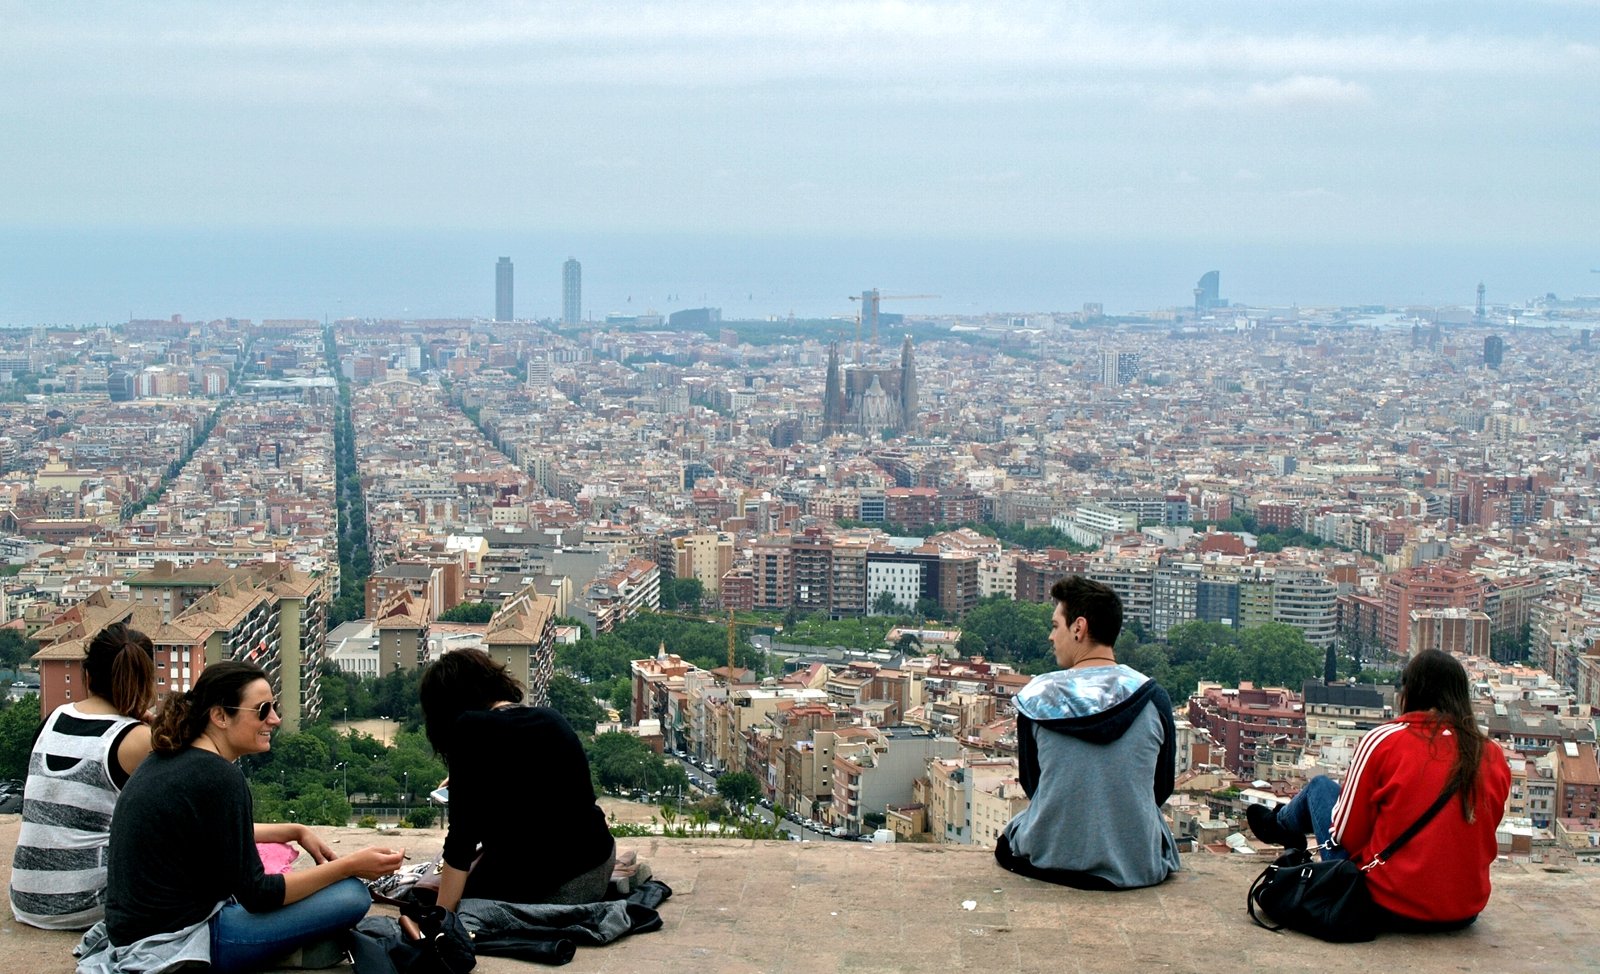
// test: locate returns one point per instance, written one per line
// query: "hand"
(318, 850)
(372, 862)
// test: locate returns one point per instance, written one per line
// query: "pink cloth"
(277, 857)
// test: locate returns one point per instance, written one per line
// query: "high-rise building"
(571, 292)
(1206, 292)
(1118, 368)
(502, 290)
(1494, 351)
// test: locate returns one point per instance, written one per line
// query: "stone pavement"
(742, 907)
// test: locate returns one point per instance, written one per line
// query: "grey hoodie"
(1095, 750)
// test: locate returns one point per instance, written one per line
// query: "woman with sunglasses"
(185, 877)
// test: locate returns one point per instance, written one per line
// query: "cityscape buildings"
(1357, 477)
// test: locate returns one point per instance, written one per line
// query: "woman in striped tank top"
(83, 756)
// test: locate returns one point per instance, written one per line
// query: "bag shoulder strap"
(1411, 833)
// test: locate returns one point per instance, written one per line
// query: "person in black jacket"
(524, 826)
(183, 840)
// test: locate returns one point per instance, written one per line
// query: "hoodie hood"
(1097, 704)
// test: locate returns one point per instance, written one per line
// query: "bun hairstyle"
(120, 667)
(184, 716)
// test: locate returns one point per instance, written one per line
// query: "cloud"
(704, 43)
(1307, 91)
(1295, 92)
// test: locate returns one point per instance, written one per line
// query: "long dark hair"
(120, 667)
(183, 716)
(459, 681)
(1435, 682)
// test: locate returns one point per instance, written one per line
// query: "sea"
(106, 276)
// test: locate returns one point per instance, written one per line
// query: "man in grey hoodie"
(1095, 746)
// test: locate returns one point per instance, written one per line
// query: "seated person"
(1440, 879)
(81, 759)
(1095, 748)
(185, 879)
(523, 818)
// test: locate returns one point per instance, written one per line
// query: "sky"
(1338, 127)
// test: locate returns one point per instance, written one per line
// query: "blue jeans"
(245, 941)
(1312, 811)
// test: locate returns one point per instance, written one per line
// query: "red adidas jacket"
(1442, 874)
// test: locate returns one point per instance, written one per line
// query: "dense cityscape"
(817, 553)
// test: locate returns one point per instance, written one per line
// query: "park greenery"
(355, 562)
(475, 613)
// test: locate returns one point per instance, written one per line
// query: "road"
(765, 814)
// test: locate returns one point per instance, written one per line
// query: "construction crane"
(733, 627)
(869, 311)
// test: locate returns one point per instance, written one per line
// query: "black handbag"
(1327, 899)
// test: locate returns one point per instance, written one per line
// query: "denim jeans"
(245, 941)
(1312, 811)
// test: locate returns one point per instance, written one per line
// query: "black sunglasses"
(266, 707)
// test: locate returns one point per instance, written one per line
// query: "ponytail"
(183, 716)
(170, 731)
(120, 668)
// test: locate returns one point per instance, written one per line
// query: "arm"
(134, 748)
(1027, 755)
(452, 883)
(1356, 810)
(1166, 760)
(368, 863)
(300, 835)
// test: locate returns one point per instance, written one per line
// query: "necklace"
(1088, 659)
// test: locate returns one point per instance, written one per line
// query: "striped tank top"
(58, 876)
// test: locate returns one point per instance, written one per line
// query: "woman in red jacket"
(1440, 879)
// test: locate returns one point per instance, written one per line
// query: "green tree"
(573, 701)
(682, 593)
(739, 787)
(19, 723)
(1330, 666)
(885, 604)
(475, 613)
(1190, 642)
(1276, 654)
(1011, 631)
(621, 762)
(15, 649)
(908, 643)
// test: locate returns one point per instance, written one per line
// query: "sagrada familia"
(866, 399)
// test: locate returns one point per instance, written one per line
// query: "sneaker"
(1264, 823)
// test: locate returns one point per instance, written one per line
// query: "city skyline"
(1024, 158)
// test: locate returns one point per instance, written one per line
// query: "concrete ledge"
(829, 907)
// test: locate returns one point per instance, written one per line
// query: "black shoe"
(1264, 823)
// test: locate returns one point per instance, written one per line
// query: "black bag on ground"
(1326, 899)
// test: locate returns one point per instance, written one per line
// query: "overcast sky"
(1400, 121)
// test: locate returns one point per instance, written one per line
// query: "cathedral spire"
(908, 388)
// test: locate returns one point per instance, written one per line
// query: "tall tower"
(908, 388)
(832, 395)
(502, 290)
(1207, 293)
(1494, 351)
(571, 292)
(1479, 313)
